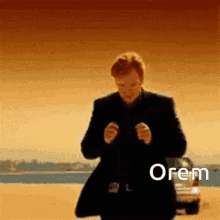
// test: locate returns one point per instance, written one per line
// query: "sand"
(57, 201)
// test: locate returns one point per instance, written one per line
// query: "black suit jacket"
(149, 196)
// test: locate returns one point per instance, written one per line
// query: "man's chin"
(129, 102)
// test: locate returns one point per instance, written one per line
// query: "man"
(131, 130)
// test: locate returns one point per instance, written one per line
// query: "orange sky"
(56, 60)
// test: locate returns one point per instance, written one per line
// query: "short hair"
(125, 62)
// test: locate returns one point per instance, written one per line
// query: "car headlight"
(195, 190)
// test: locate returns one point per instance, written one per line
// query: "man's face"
(129, 86)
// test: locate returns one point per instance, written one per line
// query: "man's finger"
(113, 124)
(113, 128)
(112, 134)
(141, 125)
(109, 137)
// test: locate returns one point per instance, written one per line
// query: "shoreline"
(81, 184)
(43, 172)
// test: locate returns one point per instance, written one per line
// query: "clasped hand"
(143, 132)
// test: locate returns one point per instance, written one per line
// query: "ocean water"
(51, 177)
(79, 177)
(213, 180)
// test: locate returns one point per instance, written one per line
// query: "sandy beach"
(57, 202)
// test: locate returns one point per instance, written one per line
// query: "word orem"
(182, 171)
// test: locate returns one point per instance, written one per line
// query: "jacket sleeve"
(91, 145)
(168, 139)
(174, 141)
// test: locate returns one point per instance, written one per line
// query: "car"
(187, 191)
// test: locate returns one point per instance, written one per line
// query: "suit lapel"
(115, 110)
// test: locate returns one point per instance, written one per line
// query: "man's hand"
(143, 132)
(110, 132)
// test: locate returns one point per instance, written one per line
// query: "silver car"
(187, 191)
